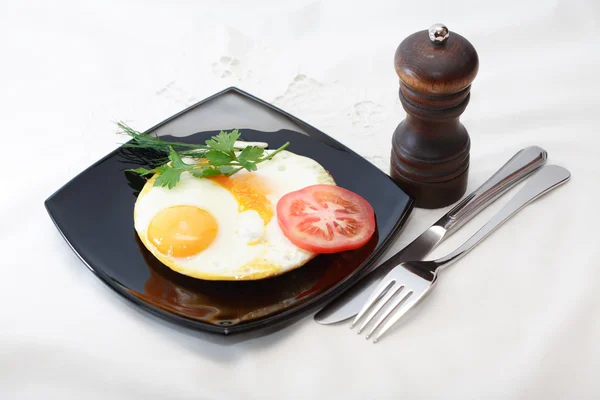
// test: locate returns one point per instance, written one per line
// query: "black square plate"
(94, 213)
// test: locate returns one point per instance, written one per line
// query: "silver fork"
(404, 286)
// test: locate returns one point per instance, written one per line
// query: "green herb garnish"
(217, 157)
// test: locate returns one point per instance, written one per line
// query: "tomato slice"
(326, 219)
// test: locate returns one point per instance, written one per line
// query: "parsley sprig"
(218, 156)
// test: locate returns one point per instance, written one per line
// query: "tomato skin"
(326, 219)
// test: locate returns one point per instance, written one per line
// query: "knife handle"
(518, 167)
(541, 183)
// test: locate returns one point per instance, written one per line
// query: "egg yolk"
(182, 231)
(249, 192)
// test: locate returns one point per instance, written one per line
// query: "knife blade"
(521, 165)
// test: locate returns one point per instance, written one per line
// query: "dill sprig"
(145, 141)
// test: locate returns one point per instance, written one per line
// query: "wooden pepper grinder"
(430, 148)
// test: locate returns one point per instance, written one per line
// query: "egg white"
(244, 248)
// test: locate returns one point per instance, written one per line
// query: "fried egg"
(225, 228)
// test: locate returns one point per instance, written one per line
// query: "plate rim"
(282, 317)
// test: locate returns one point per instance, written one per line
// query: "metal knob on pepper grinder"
(430, 147)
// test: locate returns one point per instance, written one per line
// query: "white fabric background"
(518, 318)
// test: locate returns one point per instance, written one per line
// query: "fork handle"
(518, 167)
(539, 184)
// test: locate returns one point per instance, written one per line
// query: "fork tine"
(395, 314)
(379, 291)
(377, 307)
(405, 296)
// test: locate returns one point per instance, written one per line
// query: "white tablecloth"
(518, 318)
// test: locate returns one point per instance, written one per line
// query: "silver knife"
(516, 169)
